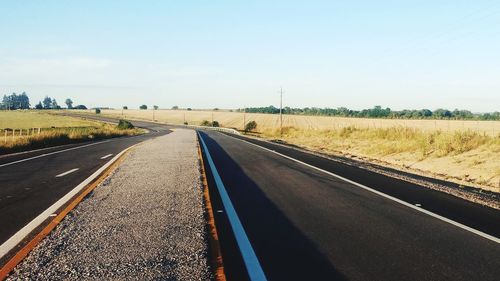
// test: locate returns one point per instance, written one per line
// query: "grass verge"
(461, 156)
(59, 136)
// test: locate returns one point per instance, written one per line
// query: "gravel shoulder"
(145, 222)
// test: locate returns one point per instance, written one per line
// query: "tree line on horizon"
(378, 112)
(22, 101)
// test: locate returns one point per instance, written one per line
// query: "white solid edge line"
(67, 172)
(457, 224)
(106, 156)
(52, 153)
(251, 261)
(13, 241)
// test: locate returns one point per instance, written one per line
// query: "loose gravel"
(145, 222)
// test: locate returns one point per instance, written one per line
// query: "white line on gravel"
(417, 208)
(67, 172)
(106, 156)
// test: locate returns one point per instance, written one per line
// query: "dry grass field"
(24, 130)
(466, 152)
(269, 121)
(36, 119)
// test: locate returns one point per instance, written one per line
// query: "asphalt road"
(31, 182)
(304, 224)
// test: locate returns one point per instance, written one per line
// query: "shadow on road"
(284, 252)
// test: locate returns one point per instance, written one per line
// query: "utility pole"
(212, 118)
(244, 117)
(281, 111)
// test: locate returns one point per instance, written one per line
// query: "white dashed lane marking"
(106, 156)
(68, 172)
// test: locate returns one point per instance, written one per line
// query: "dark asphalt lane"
(306, 225)
(29, 187)
(474, 215)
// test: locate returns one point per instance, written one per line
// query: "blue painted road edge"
(252, 264)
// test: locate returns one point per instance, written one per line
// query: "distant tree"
(97, 111)
(143, 107)
(7, 102)
(125, 107)
(426, 112)
(24, 101)
(69, 103)
(250, 126)
(155, 107)
(215, 124)
(189, 109)
(80, 106)
(39, 105)
(216, 109)
(47, 103)
(54, 104)
(205, 123)
(175, 107)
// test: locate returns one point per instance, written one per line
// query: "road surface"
(305, 224)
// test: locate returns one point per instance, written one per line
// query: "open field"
(462, 151)
(24, 130)
(36, 119)
(270, 121)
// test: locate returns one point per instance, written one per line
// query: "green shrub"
(124, 125)
(205, 123)
(97, 111)
(250, 126)
(215, 124)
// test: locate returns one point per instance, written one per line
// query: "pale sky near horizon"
(231, 54)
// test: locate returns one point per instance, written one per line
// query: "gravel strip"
(145, 222)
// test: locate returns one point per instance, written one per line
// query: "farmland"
(466, 152)
(270, 121)
(24, 130)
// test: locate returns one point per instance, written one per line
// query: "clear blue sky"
(228, 54)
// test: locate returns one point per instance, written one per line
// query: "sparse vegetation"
(215, 124)
(97, 111)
